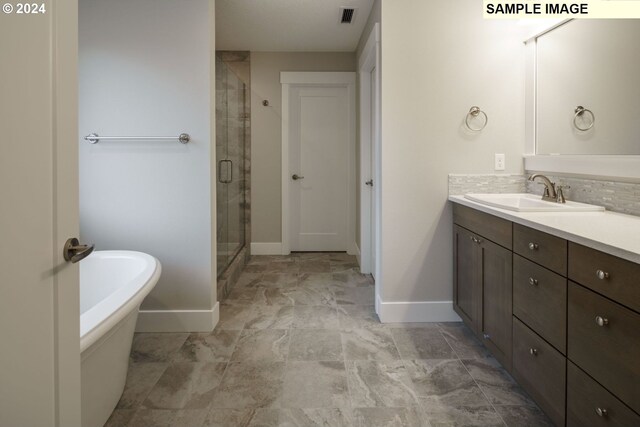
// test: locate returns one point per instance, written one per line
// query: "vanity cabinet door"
(467, 287)
(496, 276)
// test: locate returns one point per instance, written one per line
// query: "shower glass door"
(230, 142)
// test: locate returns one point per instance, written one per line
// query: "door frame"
(370, 144)
(290, 79)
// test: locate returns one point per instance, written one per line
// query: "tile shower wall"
(623, 197)
(616, 196)
(460, 184)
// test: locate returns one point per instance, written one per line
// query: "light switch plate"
(499, 163)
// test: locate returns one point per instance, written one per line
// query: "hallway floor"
(299, 344)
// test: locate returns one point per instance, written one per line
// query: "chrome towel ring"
(580, 111)
(473, 113)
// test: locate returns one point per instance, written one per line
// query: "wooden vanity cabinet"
(483, 279)
(563, 318)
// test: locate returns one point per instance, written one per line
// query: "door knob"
(73, 251)
(296, 177)
(369, 183)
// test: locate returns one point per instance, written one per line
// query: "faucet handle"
(560, 193)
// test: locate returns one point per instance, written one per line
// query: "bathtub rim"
(100, 324)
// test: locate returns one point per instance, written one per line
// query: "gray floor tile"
(229, 418)
(363, 295)
(496, 383)
(422, 343)
(523, 416)
(185, 385)
(315, 345)
(307, 294)
(463, 341)
(262, 345)
(315, 385)
(250, 386)
(248, 280)
(120, 418)
(270, 317)
(445, 382)
(461, 416)
(314, 266)
(216, 346)
(141, 377)
(274, 296)
(314, 317)
(242, 295)
(374, 384)
(234, 316)
(279, 280)
(352, 278)
(358, 316)
(156, 347)
(369, 344)
(388, 417)
(168, 418)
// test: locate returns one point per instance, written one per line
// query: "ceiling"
(289, 25)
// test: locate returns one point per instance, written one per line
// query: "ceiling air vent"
(346, 15)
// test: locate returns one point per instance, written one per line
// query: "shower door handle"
(229, 171)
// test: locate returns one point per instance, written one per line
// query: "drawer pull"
(601, 321)
(601, 412)
(533, 351)
(602, 274)
(533, 246)
(475, 239)
(486, 336)
(533, 282)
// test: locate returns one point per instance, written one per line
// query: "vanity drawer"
(540, 369)
(540, 301)
(604, 340)
(611, 276)
(491, 227)
(590, 404)
(542, 248)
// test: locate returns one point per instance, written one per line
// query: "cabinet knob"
(601, 321)
(533, 281)
(601, 412)
(486, 336)
(533, 351)
(602, 274)
(533, 246)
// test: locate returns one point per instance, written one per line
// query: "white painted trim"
(178, 320)
(620, 167)
(330, 78)
(417, 311)
(357, 253)
(266, 248)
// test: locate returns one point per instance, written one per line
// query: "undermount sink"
(525, 202)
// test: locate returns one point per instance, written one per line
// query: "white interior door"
(319, 162)
(39, 298)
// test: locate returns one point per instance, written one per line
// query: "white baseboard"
(258, 248)
(357, 253)
(352, 249)
(418, 311)
(178, 320)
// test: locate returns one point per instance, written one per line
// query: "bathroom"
(242, 320)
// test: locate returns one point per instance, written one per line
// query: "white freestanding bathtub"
(112, 286)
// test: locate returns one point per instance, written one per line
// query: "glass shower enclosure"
(230, 151)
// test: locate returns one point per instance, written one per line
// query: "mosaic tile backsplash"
(623, 197)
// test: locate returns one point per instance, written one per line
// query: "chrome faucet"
(549, 194)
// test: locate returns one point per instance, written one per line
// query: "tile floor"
(299, 344)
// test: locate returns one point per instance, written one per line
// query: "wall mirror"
(583, 96)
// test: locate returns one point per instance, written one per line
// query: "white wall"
(145, 70)
(439, 58)
(266, 132)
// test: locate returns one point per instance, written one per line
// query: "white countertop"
(610, 232)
